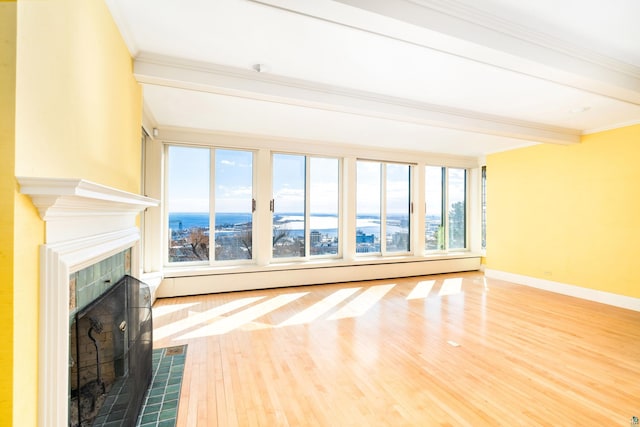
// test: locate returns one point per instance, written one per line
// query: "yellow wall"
(79, 109)
(568, 213)
(7, 191)
(78, 115)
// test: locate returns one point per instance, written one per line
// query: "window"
(288, 205)
(433, 222)
(324, 196)
(398, 207)
(368, 207)
(210, 204)
(446, 208)
(383, 207)
(193, 192)
(305, 206)
(233, 205)
(188, 177)
(457, 207)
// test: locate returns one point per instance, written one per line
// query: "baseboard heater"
(275, 277)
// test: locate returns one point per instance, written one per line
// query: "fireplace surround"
(86, 223)
(110, 362)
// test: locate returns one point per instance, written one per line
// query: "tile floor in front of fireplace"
(160, 407)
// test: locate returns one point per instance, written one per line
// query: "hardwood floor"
(449, 350)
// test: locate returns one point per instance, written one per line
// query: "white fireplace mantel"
(85, 223)
(75, 208)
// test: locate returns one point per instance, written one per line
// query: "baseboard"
(206, 284)
(608, 298)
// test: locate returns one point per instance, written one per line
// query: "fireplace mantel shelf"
(62, 197)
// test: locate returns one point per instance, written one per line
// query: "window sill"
(207, 270)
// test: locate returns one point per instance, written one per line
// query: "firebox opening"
(110, 364)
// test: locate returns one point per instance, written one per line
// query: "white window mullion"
(307, 207)
(445, 209)
(419, 210)
(166, 229)
(348, 221)
(383, 209)
(212, 206)
(263, 218)
(341, 190)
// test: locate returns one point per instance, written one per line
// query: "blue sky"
(189, 180)
(188, 187)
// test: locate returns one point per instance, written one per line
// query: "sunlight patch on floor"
(363, 302)
(163, 310)
(243, 317)
(422, 289)
(451, 287)
(196, 318)
(321, 307)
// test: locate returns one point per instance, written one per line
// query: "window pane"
(188, 204)
(323, 205)
(368, 207)
(397, 204)
(233, 204)
(457, 207)
(289, 205)
(434, 235)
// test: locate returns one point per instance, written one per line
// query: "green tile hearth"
(160, 406)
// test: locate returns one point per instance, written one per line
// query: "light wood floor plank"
(446, 350)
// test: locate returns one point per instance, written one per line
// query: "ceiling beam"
(462, 30)
(238, 82)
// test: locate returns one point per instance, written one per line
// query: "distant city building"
(364, 238)
(315, 237)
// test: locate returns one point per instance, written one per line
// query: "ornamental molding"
(76, 208)
(62, 197)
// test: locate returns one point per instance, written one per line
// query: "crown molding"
(248, 141)
(123, 27)
(530, 35)
(612, 127)
(232, 81)
(457, 29)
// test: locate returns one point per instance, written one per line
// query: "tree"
(457, 225)
(278, 235)
(198, 241)
(246, 239)
(284, 244)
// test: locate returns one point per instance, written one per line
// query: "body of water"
(326, 224)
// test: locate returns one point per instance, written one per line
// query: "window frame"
(307, 209)
(384, 253)
(347, 224)
(445, 210)
(211, 261)
(212, 199)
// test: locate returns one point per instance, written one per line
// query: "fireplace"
(86, 223)
(110, 365)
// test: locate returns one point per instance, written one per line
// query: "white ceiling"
(464, 77)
